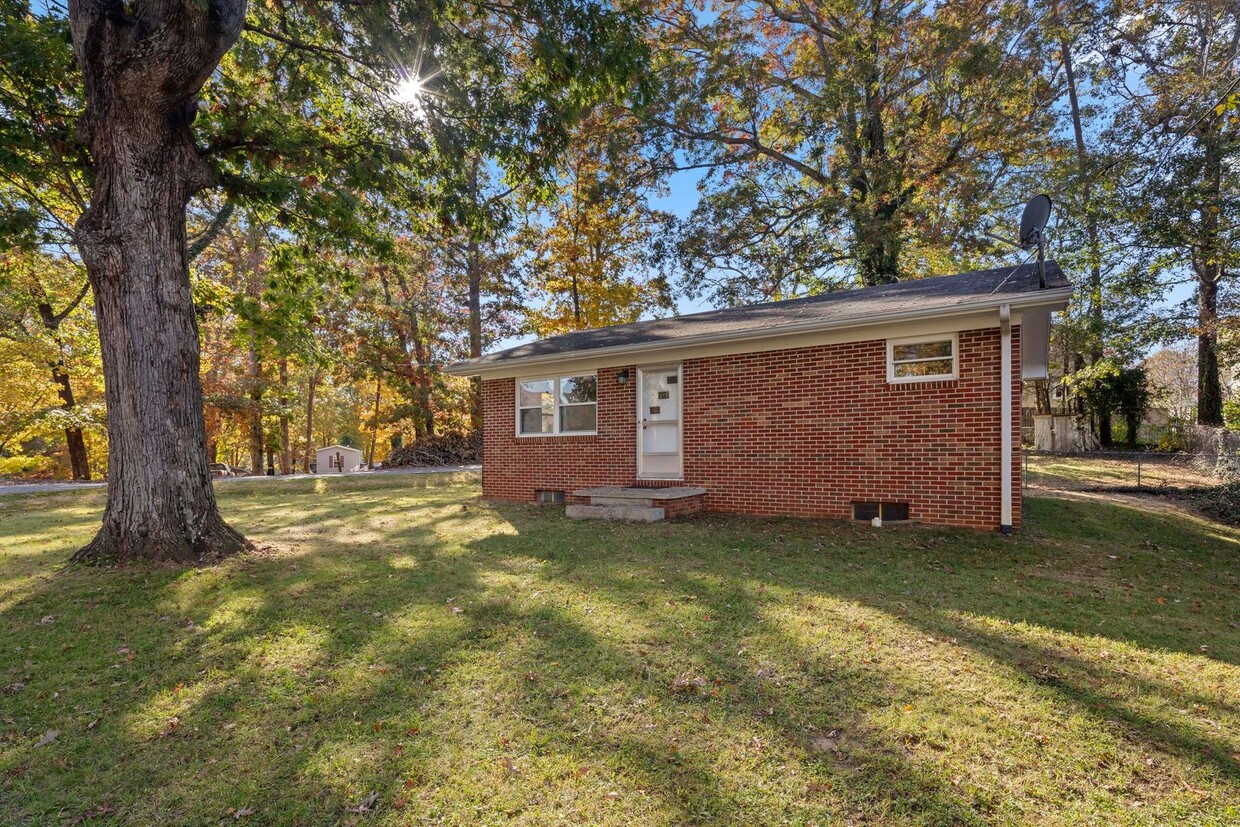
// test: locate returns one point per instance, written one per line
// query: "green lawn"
(401, 652)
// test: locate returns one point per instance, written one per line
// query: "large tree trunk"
(141, 76)
(1209, 388)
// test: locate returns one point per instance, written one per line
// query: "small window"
(551, 497)
(561, 405)
(922, 360)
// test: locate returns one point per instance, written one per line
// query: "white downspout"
(1005, 413)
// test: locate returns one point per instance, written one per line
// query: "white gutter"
(1057, 298)
(1005, 415)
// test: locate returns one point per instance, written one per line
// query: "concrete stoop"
(633, 513)
(636, 504)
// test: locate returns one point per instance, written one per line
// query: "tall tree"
(1176, 64)
(588, 262)
(40, 294)
(297, 118)
(886, 127)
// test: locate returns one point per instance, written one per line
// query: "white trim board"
(965, 316)
(681, 350)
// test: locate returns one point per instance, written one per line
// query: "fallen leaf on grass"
(241, 813)
(367, 804)
(686, 684)
(48, 737)
(509, 767)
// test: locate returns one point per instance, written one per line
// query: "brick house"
(899, 401)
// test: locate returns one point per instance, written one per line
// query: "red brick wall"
(513, 467)
(802, 432)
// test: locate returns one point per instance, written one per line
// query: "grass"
(402, 652)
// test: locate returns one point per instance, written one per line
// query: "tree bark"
(79, 461)
(314, 380)
(475, 334)
(1209, 388)
(255, 412)
(1208, 266)
(286, 446)
(142, 67)
(1097, 322)
(374, 433)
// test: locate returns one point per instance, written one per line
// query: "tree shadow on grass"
(928, 580)
(187, 687)
(493, 663)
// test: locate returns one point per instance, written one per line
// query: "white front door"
(658, 423)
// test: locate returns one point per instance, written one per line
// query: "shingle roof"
(929, 297)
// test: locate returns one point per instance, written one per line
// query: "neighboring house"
(337, 459)
(902, 399)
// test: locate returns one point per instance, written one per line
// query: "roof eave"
(1054, 298)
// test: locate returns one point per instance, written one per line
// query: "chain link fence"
(1119, 471)
(1209, 457)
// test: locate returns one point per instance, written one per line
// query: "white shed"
(337, 459)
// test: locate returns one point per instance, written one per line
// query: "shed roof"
(918, 298)
(330, 447)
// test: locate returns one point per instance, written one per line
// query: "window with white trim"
(559, 405)
(922, 360)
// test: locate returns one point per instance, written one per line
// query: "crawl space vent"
(554, 497)
(890, 512)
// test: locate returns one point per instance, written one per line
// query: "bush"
(441, 449)
(20, 466)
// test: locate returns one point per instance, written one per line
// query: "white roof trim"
(1052, 299)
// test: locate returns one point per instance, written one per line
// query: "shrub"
(20, 466)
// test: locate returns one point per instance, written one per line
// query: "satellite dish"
(1033, 221)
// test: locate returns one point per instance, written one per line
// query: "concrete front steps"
(646, 505)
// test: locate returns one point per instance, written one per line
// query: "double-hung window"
(922, 360)
(558, 405)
